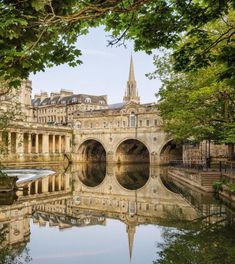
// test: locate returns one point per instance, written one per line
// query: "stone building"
(18, 101)
(85, 128)
(124, 132)
(58, 108)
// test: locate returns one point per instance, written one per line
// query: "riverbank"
(202, 180)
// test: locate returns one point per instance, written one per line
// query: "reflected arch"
(132, 151)
(171, 151)
(91, 150)
(132, 176)
(92, 174)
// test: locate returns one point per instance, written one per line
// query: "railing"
(225, 167)
(198, 165)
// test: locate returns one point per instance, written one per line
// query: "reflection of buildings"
(54, 203)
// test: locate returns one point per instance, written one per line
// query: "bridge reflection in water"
(90, 194)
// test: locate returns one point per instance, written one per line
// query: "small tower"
(131, 94)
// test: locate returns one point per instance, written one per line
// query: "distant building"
(18, 100)
(59, 108)
(129, 113)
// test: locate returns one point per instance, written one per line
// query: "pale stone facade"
(58, 108)
(18, 100)
(87, 129)
(125, 132)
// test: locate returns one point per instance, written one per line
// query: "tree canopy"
(211, 244)
(197, 96)
(37, 34)
(199, 102)
(42, 33)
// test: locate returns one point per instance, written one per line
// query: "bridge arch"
(132, 150)
(91, 150)
(171, 151)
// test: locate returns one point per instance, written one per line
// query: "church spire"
(131, 71)
(131, 94)
(131, 234)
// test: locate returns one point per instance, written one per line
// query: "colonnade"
(52, 183)
(18, 142)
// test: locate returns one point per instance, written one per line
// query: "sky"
(104, 71)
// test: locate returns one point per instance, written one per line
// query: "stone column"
(36, 143)
(67, 144)
(45, 144)
(19, 143)
(53, 183)
(9, 143)
(59, 182)
(29, 143)
(53, 143)
(59, 144)
(36, 187)
(45, 185)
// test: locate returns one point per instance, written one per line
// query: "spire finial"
(131, 94)
(131, 235)
(131, 71)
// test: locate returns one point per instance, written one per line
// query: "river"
(98, 213)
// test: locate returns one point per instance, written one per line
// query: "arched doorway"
(91, 151)
(132, 151)
(171, 152)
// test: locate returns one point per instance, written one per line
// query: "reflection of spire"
(131, 94)
(130, 229)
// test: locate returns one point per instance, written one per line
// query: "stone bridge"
(125, 145)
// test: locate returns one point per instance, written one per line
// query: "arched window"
(132, 120)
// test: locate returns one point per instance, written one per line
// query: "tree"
(41, 33)
(199, 102)
(162, 24)
(199, 244)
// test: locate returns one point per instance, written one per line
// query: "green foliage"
(212, 244)
(217, 185)
(3, 175)
(198, 102)
(230, 186)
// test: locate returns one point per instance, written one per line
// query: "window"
(141, 123)
(123, 123)
(102, 102)
(132, 120)
(155, 122)
(74, 100)
(87, 100)
(147, 122)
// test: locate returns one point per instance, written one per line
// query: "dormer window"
(63, 102)
(87, 100)
(102, 102)
(74, 100)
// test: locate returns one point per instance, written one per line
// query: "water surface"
(113, 214)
